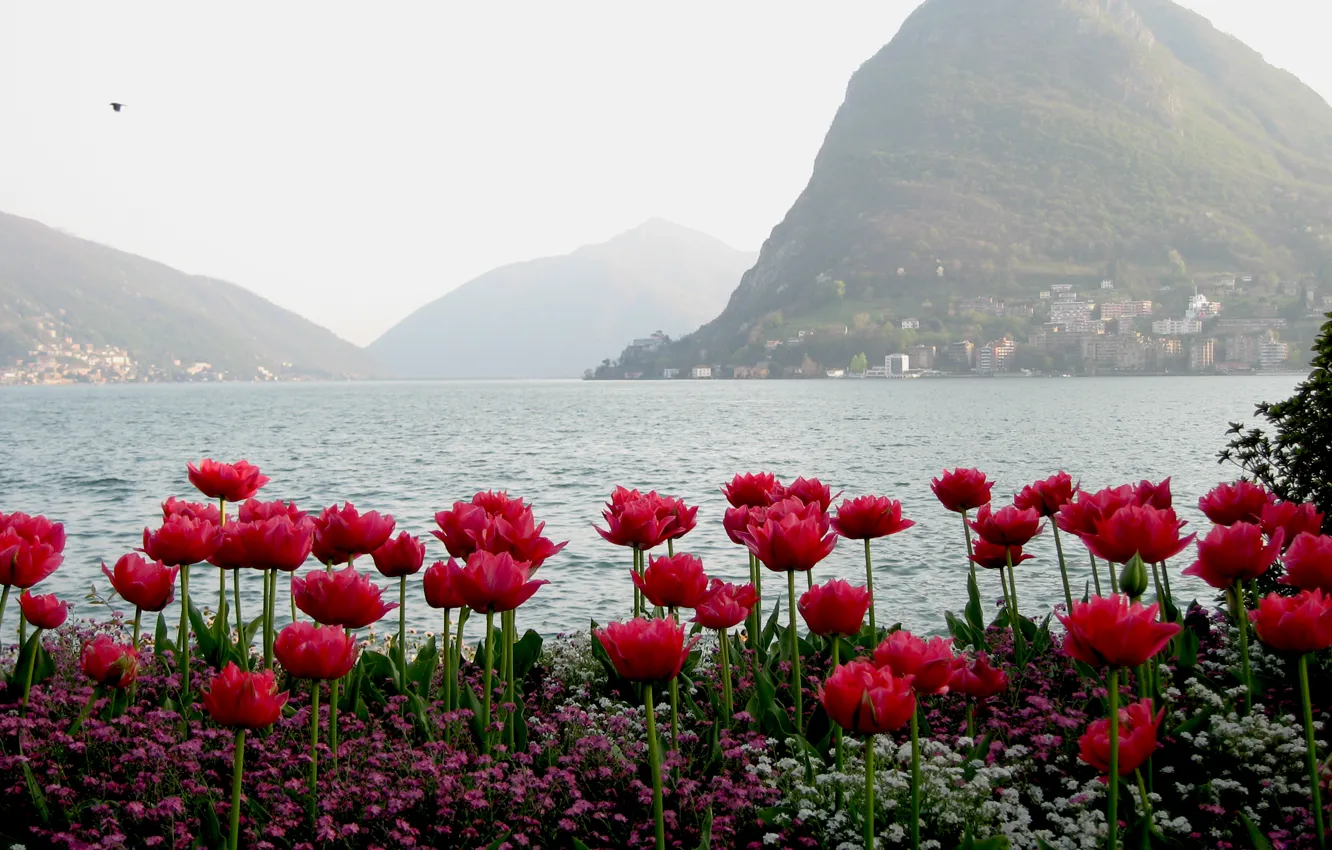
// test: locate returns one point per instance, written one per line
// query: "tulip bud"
(1133, 578)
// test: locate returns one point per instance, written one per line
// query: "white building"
(910, 324)
(1176, 327)
(1067, 312)
(701, 372)
(1200, 308)
(897, 364)
(670, 373)
(1272, 355)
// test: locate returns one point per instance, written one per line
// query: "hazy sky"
(354, 161)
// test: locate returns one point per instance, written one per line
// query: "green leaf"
(421, 670)
(208, 641)
(161, 643)
(250, 631)
(705, 830)
(770, 628)
(498, 842)
(519, 721)
(378, 667)
(578, 845)
(975, 612)
(1260, 841)
(35, 791)
(997, 842)
(35, 653)
(526, 652)
(472, 702)
(1193, 724)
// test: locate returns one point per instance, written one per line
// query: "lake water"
(102, 458)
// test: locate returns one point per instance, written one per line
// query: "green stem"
(183, 638)
(314, 749)
(869, 585)
(654, 763)
(448, 664)
(638, 595)
(1014, 618)
(237, 770)
(23, 628)
(670, 547)
(971, 720)
(966, 530)
(242, 644)
(1063, 570)
(510, 697)
(485, 697)
(1235, 597)
(675, 711)
(756, 618)
(1165, 580)
(869, 792)
(4, 600)
(333, 721)
(86, 710)
(1310, 746)
(270, 590)
(402, 627)
(1096, 574)
(291, 597)
(725, 647)
(915, 777)
(1160, 592)
(837, 731)
(796, 689)
(809, 579)
(454, 685)
(1146, 803)
(1114, 577)
(138, 616)
(27, 677)
(1112, 798)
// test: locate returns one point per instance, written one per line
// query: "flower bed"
(997, 736)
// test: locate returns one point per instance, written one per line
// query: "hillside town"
(1222, 324)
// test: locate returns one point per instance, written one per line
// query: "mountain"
(997, 146)
(555, 316)
(100, 296)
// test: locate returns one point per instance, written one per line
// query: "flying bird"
(117, 106)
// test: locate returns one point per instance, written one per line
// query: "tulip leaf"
(32, 652)
(472, 703)
(963, 633)
(421, 670)
(578, 845)
(498, 842)
(975, 612)
(1187, 643)
(1260, 841)
(996, 842)
(770, 629)
(207, 640)
(519, 730)
(525, 654)
(250, 631)
(376, 665)
(212, 837)
(705, 830)
(1193, 724)
(161, 643)
(35, 791)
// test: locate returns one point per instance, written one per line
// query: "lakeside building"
(701, 372)
(1126, 309)
(897, 364)
(1202, 355)
(1176, 327)
(922, 356)
(1273, 354)
(962, 353)
(996, 356)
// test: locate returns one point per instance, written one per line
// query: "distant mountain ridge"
(555, 316)
(100, 296)
(993, 143)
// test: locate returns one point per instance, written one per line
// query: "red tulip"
(685, 517)
(930, 663)
(870, 517)
(1235, 553)
(962, 489)
(870, 700)
(1114, 631)
(1293, 518)
(231, 553)
(834, 608)
(637, 520)
(753, 490)
(1008, 526)
(725, 605)
(737, 520)
(254, 510)
(145, 584)
(646, 650)
(1137, 738)
(1242, 501)
(674, 581)
(500, 503)
(1048, 496)
(495, 583)
(277, 543)
(792, 537)
(24, 563)
(1153, 495)
(993, 557)
(182, 541)
(399, 556)
(1132, 530)
(340, 598)
(1298, 624)
(194, 510)
(232, 482)
(456, 527)
(443, 585)
(519, 537)
(308, 651)
(35, 529)
(974, 677)
(44, 612)
(1308, 563)
(342, 534)
(243, 700)
(109, 663)
(810, 491)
